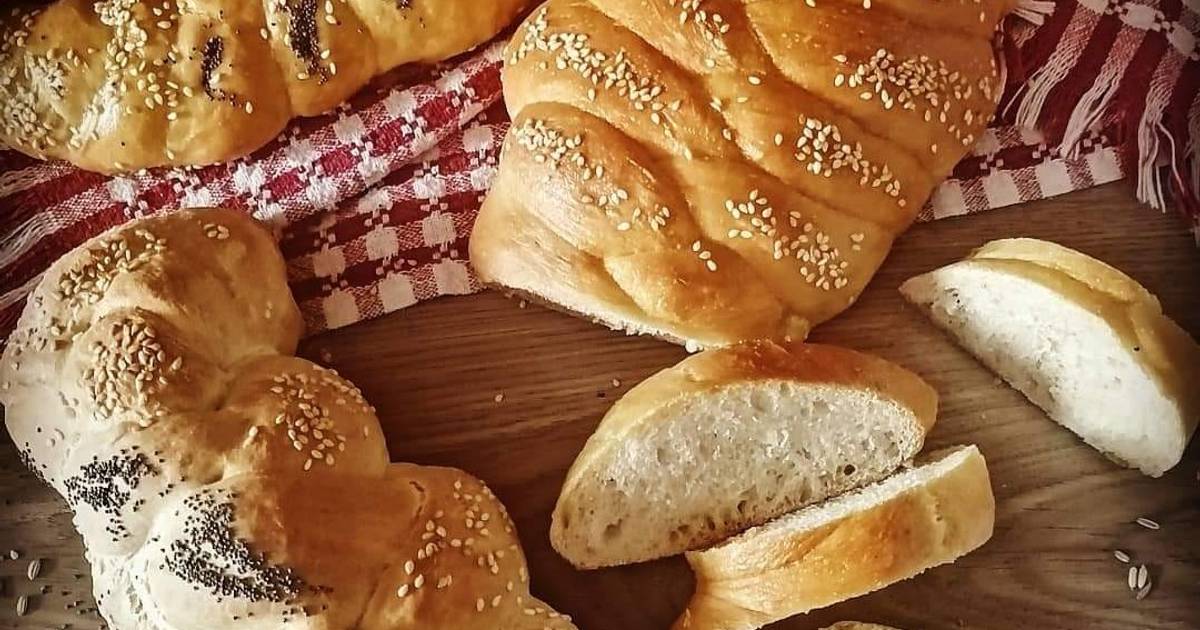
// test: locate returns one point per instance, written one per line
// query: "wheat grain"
(34, 568)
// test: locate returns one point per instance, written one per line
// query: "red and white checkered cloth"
(375, 201)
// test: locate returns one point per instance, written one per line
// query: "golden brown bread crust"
(723, 170)
(764, 576)
(119, 85)
(220, 482)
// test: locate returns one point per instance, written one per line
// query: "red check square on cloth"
(374, 202)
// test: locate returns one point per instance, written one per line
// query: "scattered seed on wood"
(616, 382)
(13, 554)
(1121, 555)
(499, 398)
(1133, 574)
(1144, 591)
(1143, 576)
(22, 605)
(1147, 523)
(34, 568)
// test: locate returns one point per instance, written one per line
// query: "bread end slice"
(731, 438)
(848, 546)
(1080, 339)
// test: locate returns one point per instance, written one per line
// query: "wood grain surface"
(435, 371)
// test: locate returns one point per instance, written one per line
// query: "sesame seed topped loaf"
(119, 85)
(1082, 340)
(220, 482)
(710, 171)
(730, 438)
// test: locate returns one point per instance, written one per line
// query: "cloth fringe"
(1166, 165)
(1034, 11)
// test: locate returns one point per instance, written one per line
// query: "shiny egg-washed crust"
(220, 482)
(718, 170)
(119, 85)
(775, 571)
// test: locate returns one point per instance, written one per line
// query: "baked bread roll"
(731, 438)
(1083, 341)
(219, 482)
(852, 545)
(727, 170)
(119, 85)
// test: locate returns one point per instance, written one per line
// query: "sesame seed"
(1147, 523)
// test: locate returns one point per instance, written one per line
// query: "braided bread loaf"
(717, 170)
(116, 85)
(220, 482)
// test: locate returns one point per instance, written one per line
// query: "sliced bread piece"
(851, 545)
(1083, 341)
(731, 438)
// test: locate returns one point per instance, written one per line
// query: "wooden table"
(434, 372)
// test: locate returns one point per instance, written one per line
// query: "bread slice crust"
(857, 543)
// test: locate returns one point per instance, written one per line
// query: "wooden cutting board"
(510, 394)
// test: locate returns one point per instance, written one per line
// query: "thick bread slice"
(1080, 339)
(731, 438)
(852, 545)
